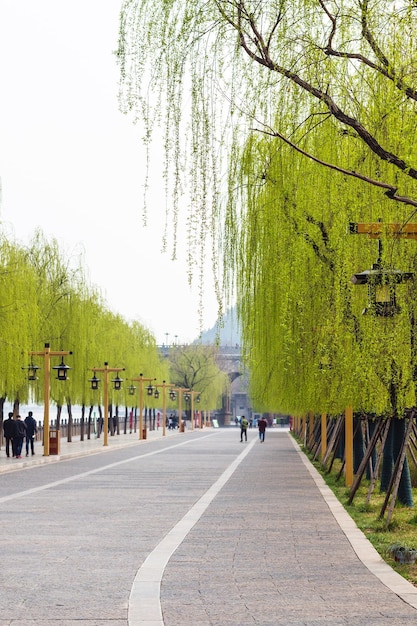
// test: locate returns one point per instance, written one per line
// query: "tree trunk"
(99, 421)
(358, 443)
(58, 416)
(90, 412)
(82, 422)
(387, 460)
(69, 434)
(405, 493)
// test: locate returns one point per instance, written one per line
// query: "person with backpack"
(243, 428)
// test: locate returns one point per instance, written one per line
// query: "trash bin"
(182, 425)
(54, 442)
(144, 431)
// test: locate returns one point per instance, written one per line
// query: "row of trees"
(46, 299)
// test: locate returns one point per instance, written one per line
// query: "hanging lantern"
(62, 370)
(149, 390)
(32, 369)
(197, 399)
(131, 390)
(172, 394)
(117, 382)
(381, 289)
(187, 397)
(94, 382)
(156, 394)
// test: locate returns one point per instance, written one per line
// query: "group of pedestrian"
(16, 431)
(262, 424)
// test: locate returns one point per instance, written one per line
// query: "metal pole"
(180, 410)
(106, 405)
(140, 408)
(46, 396)
(164, 408)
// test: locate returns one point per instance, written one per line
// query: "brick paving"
(268, 547)
(269, 551)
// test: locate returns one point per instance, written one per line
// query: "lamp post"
(117, 384)
(149, 391)
(164, 386)
(179, 391)
(62, 370)
(190, 395)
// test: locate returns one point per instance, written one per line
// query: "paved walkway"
(76, 448)
(193, 529)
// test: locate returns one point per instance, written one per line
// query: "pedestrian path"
(276, 548)
(193, 529)
(76, 448)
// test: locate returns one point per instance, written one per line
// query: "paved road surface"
(191, 529)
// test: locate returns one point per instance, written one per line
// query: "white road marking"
(144, 601)
(63, 481)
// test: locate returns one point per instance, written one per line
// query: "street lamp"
(117, 384)
(381, 287)
(190, 395)
(61, 370)
(172, 394)
(62, 375)
(382, 282)
(164, 386)
(149, 391)
(32, 371)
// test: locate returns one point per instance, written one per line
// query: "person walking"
(31, 430)
(262, 424)
(19, 433)
(8, 429)
(243, 428)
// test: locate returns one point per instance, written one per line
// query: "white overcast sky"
(73, 165)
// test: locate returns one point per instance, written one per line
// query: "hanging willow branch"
(209, 71)
(391, 190)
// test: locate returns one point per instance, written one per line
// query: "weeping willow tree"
(46, 298)
(294, 118)
(195, 368)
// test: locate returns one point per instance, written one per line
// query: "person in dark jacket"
(31, 430)
(8, 428)
(262, 424)
(19, 433)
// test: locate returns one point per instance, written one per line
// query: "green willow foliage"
(310, 107)
(46, 299)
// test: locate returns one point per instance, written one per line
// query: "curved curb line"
(144, 601)
(361, 545)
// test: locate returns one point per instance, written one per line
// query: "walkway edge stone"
(360, 544)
